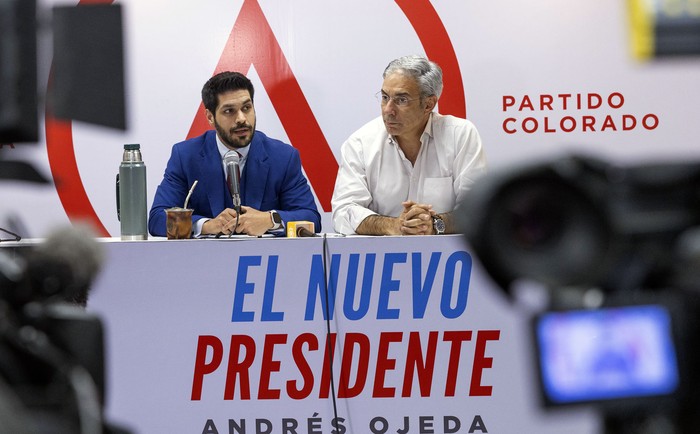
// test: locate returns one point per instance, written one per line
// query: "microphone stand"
(17, 237)
(238, 212)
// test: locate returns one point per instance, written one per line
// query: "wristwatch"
(438, 225)
(276, 220)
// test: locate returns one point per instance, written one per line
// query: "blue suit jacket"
(271, 179)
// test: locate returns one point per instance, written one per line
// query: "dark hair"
(224, 82)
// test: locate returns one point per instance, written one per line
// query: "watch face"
(439, 225)
(276, 218)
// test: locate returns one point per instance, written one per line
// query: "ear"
(210, 117)
(430, 103)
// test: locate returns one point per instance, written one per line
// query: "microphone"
(64, 265)
(303, 232)
(299, 229)
(232, 161)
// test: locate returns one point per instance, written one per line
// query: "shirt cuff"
(198, 227)
(356, 214)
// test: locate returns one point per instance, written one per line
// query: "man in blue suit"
(273, 188)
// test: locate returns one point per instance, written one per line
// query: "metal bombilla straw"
(187, 199)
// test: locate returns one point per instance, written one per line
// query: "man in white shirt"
(403, 173)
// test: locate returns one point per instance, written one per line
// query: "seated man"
(273, 188)
(403, 173)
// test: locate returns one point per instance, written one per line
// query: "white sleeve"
(351, 196)
(198, 227)
(470, 161)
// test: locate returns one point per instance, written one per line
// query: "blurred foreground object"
(582, 221)
(88, 65)
(664, 28)
(87, 82)
(615, 253)
(18, 72)
(51, 348)
(63, 267)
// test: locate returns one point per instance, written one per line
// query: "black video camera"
(615, 252)
(52, 376)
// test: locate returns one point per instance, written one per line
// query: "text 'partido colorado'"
(584, 113)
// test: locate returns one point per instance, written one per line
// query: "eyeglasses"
(401, 100)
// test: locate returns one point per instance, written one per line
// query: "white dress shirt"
(375, 176)
(242, 151)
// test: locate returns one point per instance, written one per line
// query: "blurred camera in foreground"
(614, 252)
(52, 375)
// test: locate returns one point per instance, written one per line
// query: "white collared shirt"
(223, 150)
(375, 176)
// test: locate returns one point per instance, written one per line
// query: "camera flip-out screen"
(606, 354)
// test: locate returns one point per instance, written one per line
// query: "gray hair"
(427, 73)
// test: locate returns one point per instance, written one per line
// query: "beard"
(231, 139)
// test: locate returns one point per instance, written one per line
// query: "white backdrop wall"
(336, 51)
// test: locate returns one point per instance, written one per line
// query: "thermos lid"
(132, 147)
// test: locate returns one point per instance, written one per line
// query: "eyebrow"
(397, 94)
(225, 106)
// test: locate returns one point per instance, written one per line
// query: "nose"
(389, 108)
(240, 117)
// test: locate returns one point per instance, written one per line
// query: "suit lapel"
(211, 175)
(256, 170)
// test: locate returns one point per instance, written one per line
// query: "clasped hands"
(250, 222)
(416, 219)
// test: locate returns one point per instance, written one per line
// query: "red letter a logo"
(252, 43)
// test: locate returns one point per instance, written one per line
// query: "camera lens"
(534, 219)
(542, 227)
